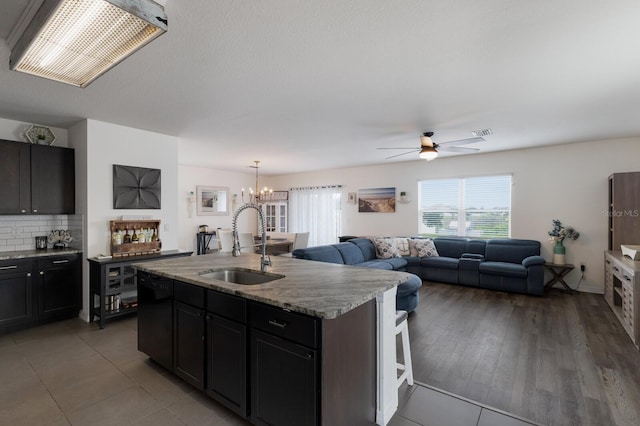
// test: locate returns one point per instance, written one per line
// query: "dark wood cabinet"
(624, 198)
(52, 180)
(59, 281)
(189, 343)
(16, 294)
(283, 381)
(36, 179)
(39, 289)
(226, 351)
(274, 366)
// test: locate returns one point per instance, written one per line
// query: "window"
(478, 207)
(316, 210)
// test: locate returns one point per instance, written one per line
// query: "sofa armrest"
(533, 260)
(472, 256)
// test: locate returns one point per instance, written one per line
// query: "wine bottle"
(117, 237)
(126, 238)
(154, 236)
(134, 236)
(141, 237)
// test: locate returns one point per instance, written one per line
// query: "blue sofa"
(511, 265)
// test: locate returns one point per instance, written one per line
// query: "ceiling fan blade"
(461, 141)
(404, 153)
(409, 147)
(457, 149)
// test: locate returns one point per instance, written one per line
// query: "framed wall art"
(212, 200)
(136, 187)
(377, 200)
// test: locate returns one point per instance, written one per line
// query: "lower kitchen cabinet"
(270, 365)
(16, 294)
(189, 333)
(38, 290)
(227, 362)
(59, 280)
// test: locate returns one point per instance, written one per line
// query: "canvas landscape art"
(377, 200)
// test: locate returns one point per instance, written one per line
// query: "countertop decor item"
(59, 238)
(40, 135)
(557, 235)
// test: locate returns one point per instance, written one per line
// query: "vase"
(559, 253)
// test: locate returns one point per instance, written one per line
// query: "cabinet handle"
(615, 268)
(41, 272)
(277, 323)
(626, 278)
(35, 210)
(28, 274)
(61, 261)
(4, 268)
(23, 211)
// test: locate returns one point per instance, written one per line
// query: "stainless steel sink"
(240, 276)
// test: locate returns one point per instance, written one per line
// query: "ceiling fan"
(429, 149)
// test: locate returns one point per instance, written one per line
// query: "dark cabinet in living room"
(36, 179)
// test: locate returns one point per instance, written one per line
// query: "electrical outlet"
(582, 267)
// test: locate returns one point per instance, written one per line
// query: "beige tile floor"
(73, 373)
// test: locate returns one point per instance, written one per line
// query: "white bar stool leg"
(406, 368)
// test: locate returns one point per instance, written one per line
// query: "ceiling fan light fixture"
(425, 139)
(76, 41)
(428, 153)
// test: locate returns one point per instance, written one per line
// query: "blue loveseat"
(511, 265)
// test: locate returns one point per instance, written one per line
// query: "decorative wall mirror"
(212, 200)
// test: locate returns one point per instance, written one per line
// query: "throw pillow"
(425, 248)
(403, 246)
(386, 248)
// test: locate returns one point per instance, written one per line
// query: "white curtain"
(316, 210)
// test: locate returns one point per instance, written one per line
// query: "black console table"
(203, 239)
(113, 290)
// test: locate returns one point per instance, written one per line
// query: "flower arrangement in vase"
(557, 235)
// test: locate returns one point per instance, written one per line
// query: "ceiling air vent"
(483, 132)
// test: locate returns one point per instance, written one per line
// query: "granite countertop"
(24, 254)
(323, 290)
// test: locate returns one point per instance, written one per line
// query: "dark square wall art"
(135, 187)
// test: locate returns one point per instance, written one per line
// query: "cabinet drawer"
(188, 293)
(289, 325)
(56, 261)
(227, 305)
(15, 266)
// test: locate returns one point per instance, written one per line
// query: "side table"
(558, 273)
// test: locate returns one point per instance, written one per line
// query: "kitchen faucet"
(265, 260)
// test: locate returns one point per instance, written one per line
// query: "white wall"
(566, 182)
(109, 144)
(189, 177)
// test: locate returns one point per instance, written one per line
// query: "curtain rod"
(314, 187)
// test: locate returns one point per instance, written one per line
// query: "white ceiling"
(306, 85)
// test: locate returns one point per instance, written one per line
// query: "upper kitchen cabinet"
(36, 179)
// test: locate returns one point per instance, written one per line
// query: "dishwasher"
(155, 318)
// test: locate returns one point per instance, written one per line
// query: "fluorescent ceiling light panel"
(76, 41)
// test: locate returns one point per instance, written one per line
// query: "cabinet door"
(52, 180)
(15, 191)
(16, 302)
(227, 363)
(284, 386)
(188, 343)
(59, 286)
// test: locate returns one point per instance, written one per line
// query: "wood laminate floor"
(560, 359)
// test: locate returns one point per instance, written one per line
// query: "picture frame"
(136, 187)
(377, 200)
(351, 198)
(279, 196)
(212, 200)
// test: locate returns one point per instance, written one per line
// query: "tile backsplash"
(19, 232)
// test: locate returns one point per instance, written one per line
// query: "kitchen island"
(316, 346)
